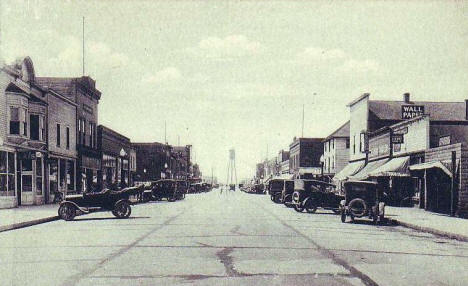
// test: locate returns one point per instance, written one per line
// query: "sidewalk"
(439, 224)
(25, 216)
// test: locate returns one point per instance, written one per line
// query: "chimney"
(466, 109)
(406, 97)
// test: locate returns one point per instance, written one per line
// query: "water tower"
(232, 173)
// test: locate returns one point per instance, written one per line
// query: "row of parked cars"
(118, 200)
(360, 199)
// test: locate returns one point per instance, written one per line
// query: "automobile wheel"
(122, 210)
(298, 209)
(311, 206)
(343, 216)
(277, 198)
(272, 198)
(67, 211)
(357, 207)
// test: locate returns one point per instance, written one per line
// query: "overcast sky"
(235, 74)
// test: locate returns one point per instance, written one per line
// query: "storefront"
(89, 173)
(7, 178)
(62, 174)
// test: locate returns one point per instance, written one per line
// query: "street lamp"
(322, 160)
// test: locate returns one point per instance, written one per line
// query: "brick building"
(304, 157)
(115, 151)
(83, 92)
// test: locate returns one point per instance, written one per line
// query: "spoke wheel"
(122, 210)
(67, 211)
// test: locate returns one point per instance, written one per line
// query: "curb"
(27, 223)
(434, 231)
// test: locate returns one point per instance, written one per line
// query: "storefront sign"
(87, 108)
(411, 111)
(444, 140)
(401, 131)
(38, 155)
(26, 156)
(397, 139)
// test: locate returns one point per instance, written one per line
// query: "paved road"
(226, 239)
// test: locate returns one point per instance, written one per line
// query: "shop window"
(7, 174)
(58, 135)
(62, 174)
(71, 175)
(34, 126)
(14, 121)
(53, 176)
(68, 138)
(41, 128)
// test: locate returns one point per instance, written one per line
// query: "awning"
(396, 167)
(364, 173)
(430, 165)
(284, 177)
(349, 170)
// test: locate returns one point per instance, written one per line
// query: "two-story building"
(304, 157)
(283, 161)
(336, 151)
(153, 161)
(23, 143)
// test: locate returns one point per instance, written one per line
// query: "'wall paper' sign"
(411, 111)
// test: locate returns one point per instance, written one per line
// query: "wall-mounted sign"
(87, 108)
(397, 138)
(401, 131)
(444, 140)
(411, 111)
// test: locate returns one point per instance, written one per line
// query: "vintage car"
(276, 187)
(258, 189)
(168, 189)
(362, 199)
(313, 194)
(116, 202)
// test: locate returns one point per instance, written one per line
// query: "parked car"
(258, 189)
(116, 202)
(276, 187)
(362, 199)
(313, 194)
(168, 189)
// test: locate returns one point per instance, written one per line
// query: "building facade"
(336, 151)
(23, 143)
(83, 92)
(152, 161)
(304, 157)
(115, 151)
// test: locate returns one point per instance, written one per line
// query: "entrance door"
(27, 195)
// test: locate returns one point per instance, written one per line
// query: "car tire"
(122, 210)
(277, 199)
(357, 207)
(67, 211)
(311, 206)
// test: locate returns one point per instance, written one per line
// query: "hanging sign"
(397, 139)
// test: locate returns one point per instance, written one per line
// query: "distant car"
(276, 187)
(313, 194)
(168, 189)
(362, 199)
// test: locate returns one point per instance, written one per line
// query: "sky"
(236, 74)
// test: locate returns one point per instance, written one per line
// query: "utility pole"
(302, 134)
(83, 55)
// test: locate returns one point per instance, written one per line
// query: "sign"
(444, 140)
(401, 131)
(123, 153)
(38, 155)
(87, 108)
(397, 139)
(411, 111)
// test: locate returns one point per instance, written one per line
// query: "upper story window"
(354, 144)
(58, 135)
(36, 127)
(68, 138)
(24, 119)
(14, 121)
(347, 143)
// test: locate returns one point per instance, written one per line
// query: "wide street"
(226, 239)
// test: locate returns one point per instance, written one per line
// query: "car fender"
(304, 203)
(122, 200)
(74, 204)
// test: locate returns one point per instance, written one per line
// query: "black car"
(276, 187)
(313, 194)
(259, 189)
(116, 202)
(169, 189)
(362, 199)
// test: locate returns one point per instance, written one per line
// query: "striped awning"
(396, 167)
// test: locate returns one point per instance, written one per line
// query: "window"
(354, 144)
(68, 138)
(34, 126)
(58, 135)
(39, 176)
(347, 143)
(79, 130)
(333, 143)
(91, 140)
(25, 122)
(71, 175)
(14, 121)
(41, 128)
(84, 132)
(333, 162)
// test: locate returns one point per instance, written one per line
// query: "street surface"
(226, 239)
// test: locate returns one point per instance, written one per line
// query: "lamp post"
(322, 160)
